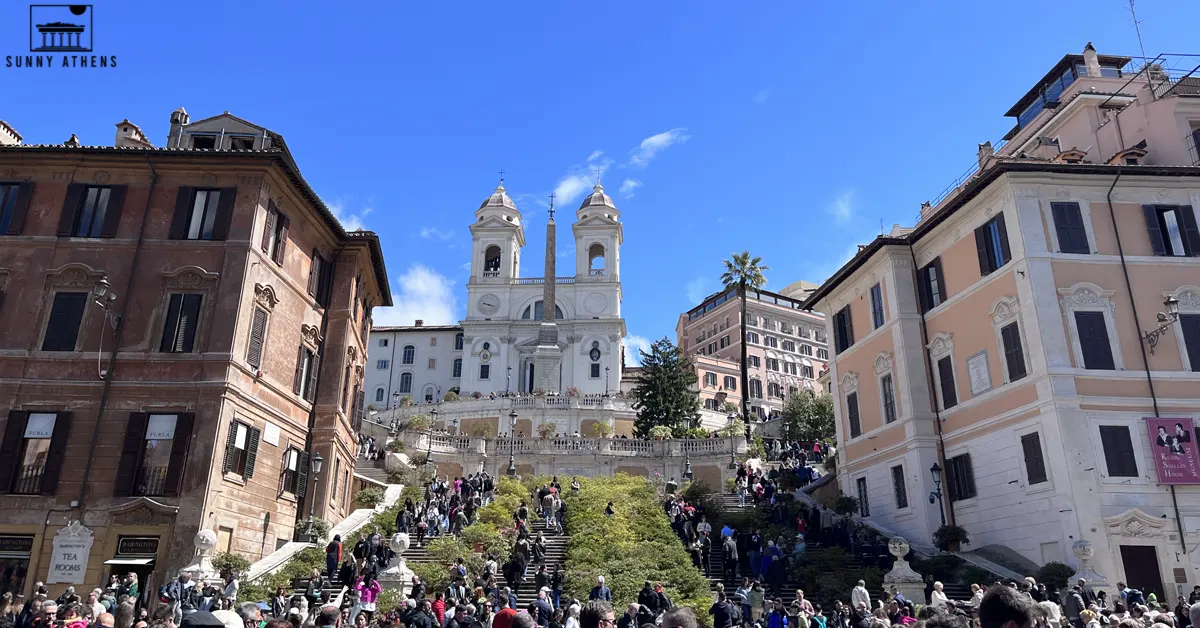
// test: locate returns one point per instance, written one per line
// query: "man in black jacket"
(648, 598)
(722, 612)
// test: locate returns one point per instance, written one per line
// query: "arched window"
(410, 354)
(491, 261)
(406, 383)
(429, 394)
(379, 393)
(536, 311)
(596, 262)
(458, 342)
(457, 367)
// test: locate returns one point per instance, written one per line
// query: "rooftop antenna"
(880, 226)
(1138, 30)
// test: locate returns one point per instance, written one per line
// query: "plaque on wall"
(16, 545)
(977, 371)
(69, 559)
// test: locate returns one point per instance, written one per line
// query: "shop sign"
(68, 561)
(16, 545)
(137, 546)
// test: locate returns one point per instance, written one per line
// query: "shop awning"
(128, 561)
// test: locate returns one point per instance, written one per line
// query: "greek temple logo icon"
(60, 28)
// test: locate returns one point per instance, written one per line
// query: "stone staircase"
(556, 556)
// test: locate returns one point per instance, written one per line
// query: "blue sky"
(792, 129)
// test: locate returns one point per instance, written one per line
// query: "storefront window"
(14, 563)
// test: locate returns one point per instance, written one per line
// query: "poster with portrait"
(1173, 448)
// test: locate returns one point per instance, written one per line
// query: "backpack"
(1134, 597)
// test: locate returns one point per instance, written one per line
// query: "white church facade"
(508, 347)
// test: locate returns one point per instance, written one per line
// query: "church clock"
(489, 304)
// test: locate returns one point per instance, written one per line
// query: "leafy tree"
(742, 272)
(808, 417)
(666, 391)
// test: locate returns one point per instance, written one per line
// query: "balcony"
(445, 445)
(489, 274)
(596, 272)
(537, 281)
(29, 480)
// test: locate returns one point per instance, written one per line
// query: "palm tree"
(743, 271)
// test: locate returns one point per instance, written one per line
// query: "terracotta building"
(180, 328)
(786, 347)
(995, 366)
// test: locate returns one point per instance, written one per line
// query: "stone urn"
(1084, 551)
(201, 568)
(398, 575)
(902, 577)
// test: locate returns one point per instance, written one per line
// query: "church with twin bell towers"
(550, 333)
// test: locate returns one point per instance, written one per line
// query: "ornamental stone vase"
(902, 577)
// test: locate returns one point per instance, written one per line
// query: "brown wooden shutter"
(189, 320)
(1154, 230)
(183, 212)
(56, 454)
(224, 213)
(281, 245)
(252, 451)
(298, 377)
(302, 479)
(112, 213)
(179, 452)
(10, 448)
(312, 378)
(131, 454)
(258, 332)
(21, 209)
(71, 205)
(314, 274)
(230, 440)
(269, 228)
(171, 324)
(1005, 251)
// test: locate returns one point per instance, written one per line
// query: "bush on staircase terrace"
(634, 545)
(435, 576)
(829, 574)
(369, 497)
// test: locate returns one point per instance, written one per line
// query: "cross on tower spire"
(599, 171)
(501, 176)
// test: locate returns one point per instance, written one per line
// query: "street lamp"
(1165, 319)
(512, 430)
(732, 460)
(508, 380)
(606, 388)
(936, 495)
(429, 438)
(315, 464)
(454, 421)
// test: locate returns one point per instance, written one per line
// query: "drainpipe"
(117, 334)
(312, 412)
(937, 417)
(1141, 342)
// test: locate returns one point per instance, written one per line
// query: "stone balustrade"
(491, 447)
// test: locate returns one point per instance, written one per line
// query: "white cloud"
(651, 146)
(633, 346)
(842, 208)
(762, 96)
(699, 288)
(433, 233)
(628, 186)
(351, 221)
(571, 188)
(596, 155)
(423, 294)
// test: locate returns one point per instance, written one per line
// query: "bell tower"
(497, 236)
(598, 237)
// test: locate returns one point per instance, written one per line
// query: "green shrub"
(635, 545)
(1055, 575)
(395, 445)
(828, 573)
(389, 599)
(978, 575)
(369, 497)
(737, 428)
(845, 505)
(226, 561)
(320, 529)
(944, 567)
(450, 396)
(435, 576)
(418, 459)
(446, 550)
(947, 534)
(302, 564)
(661, 431)
(414, 492)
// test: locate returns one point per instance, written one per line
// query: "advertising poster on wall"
(1173, 449)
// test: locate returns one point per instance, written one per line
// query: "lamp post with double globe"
(512, 442)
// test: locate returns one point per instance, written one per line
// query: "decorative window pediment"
(190, 278)
(849, 383)
(941, 345)
(883, 363)
(1005, 309)
(265, 296)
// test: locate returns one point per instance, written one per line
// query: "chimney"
(1090, 60)
(8, 135)
(129, 135)
(420, 323)
(985, 152)
(179, 119)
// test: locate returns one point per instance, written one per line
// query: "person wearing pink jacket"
(368, 590)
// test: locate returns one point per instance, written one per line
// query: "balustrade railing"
(151, 481)
(29, 480)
